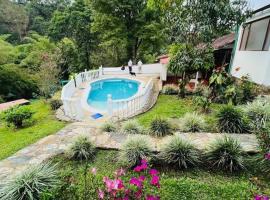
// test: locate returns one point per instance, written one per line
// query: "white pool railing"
(130, 107)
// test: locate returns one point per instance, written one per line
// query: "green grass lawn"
(12, 140)
(194, 184)
(170, 106)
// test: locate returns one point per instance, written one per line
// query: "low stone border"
(60, 142)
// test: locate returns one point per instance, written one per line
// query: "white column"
(100, 71)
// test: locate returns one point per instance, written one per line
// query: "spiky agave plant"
(108, 126)
(132, 127)
(226, 154)
(134, 149)
(160, 127)
(30, 184)
(82, 149)
(180, 153)
(193, 122)
(231, 120)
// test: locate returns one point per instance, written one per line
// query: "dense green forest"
(43, 42)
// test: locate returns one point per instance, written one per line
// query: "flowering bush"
(144, 186)
(261, 197)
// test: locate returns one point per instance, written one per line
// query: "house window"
(256, 36)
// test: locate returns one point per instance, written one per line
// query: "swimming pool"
(118, 88)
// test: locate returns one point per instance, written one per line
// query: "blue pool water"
(118, 88)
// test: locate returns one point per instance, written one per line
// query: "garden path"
(60, 142)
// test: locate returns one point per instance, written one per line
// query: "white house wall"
(256, 64)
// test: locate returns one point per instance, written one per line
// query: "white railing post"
(110, 105)
(100, 70)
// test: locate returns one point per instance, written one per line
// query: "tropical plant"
(247, 89)
(132, 127)
(108, 126)
(192, 122)
(145, 185)
(17, 116)
(180, 153)
(231, 120)
(226, 154)
(170, 90)
(258, 112)
(160, 127)
(82, 149)
(187, 60)
(134, 149)
(30, 184)
(230, 94)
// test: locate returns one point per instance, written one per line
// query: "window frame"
(248, 25)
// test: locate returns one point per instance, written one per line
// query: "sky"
(255, 4)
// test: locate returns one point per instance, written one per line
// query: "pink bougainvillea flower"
(120, 172)
(138, 194)
(138, 168)
(155, 180)
(100, 194)
(153, 172)
(135, 181)
(261, 197)
(142, 178)
(152, 197)
(144, 166)
(94, 171)
(267, 156)
(143, 161)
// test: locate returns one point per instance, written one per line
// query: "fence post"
(110, 105)
(100, 70)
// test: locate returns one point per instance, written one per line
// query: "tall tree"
(13, 18)
(75, 22)
(132, 22)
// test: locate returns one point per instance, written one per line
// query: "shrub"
(31, 183)
(55, 103)
(247, 89)
(180, 153)
(263, 137)
(160, 127)
(231, 120)
(108, 126)
(18, 115)
(258, 112)
(132, 127)
(192, 122)
(170, 90)
(135, 149)
(82, 149)
(226, 154)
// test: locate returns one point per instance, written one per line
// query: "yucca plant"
(108, 126)
(192, 122)
(160, 127)
(134, 149)
(30, 184)
(226, 154)
(132, 127)
(180, 153)
(82, 149)
(231, 120)
(258, 112)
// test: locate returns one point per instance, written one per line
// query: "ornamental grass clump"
(160, 127)
(192, 122)
(134, 149)
(258, 112)
(231, 120)
(82, 149)
(109, 127)
(30, 184)
(132, 127)
(226, 154)
(180, 153)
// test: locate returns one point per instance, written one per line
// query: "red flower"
(155, 181)
(135, 181)
(152, 197)
(153, 172)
